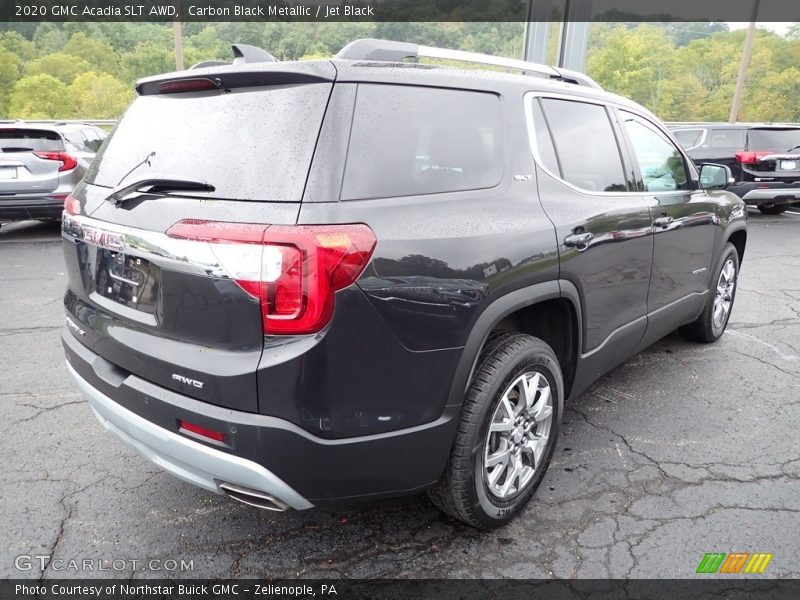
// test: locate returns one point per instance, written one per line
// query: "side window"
(412, 140)
(544, 143)
(689, 138)
(93, 140)
(75, 139)
(727, 138)
(586, 145)
(660, 163)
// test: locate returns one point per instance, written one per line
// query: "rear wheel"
(711, 323)
(507, 434)
(773, 210)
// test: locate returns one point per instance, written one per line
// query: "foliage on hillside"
(682, 72)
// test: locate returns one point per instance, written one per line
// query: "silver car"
(40, 164)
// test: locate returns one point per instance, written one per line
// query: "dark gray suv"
(307, 282)
(40, 165)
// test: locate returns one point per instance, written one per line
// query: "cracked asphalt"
(684, 449)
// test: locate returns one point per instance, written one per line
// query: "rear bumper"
(260, 452)
(191, 461)
(776, 193)
(19, 209)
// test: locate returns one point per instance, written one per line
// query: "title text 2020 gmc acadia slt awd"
(299, 283)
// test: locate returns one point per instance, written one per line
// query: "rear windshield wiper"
(157, 185)
(793, 147)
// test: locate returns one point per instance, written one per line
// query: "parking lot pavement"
(684, 449)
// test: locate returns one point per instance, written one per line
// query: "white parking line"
(793, 212)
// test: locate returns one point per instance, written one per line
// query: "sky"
(779, 28)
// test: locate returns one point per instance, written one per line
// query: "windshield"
(776, 140)
(250, 144)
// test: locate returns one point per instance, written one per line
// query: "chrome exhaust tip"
(253, 497)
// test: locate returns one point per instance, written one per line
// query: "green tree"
(49, 38)
(636, 63)
(147, 59)
(38, 97)
(9, 74)
(777, 98)
(99, 55)
(61, 66)
(98, 96)
(23, 49)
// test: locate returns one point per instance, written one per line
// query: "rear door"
(27, 161)
(604, 232)
(159, 284)
(685, 225)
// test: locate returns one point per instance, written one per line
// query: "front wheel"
(507, 434)
(711, 323)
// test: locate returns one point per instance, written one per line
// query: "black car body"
(40, 164)
(291, 301)
(764, 159)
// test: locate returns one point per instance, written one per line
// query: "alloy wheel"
(518, 435)
(724, 293)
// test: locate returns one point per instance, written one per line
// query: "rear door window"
(408, 141)
(30, 140)
(727, 138)
(250, 143)
(586, 145)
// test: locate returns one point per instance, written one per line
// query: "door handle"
(663, 221)
(578, 239)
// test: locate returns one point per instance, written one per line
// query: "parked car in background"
(386, 277)
(40, 164)
(764, 159)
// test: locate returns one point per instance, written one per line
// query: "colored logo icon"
(735, 562)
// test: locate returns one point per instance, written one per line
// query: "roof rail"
(390, 51)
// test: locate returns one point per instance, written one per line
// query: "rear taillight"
(751, 158)
(67, 161)
(72, 206)
(294, 270)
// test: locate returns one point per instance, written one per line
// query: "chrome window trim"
(528, 98)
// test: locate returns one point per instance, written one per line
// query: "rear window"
(250, 144)
(408, 141)
(30, 140)
(777, 140)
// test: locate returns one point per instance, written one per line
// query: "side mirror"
(715, 177)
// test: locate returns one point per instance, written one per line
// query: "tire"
(709, 327)
(773, 210)
(509, 364)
